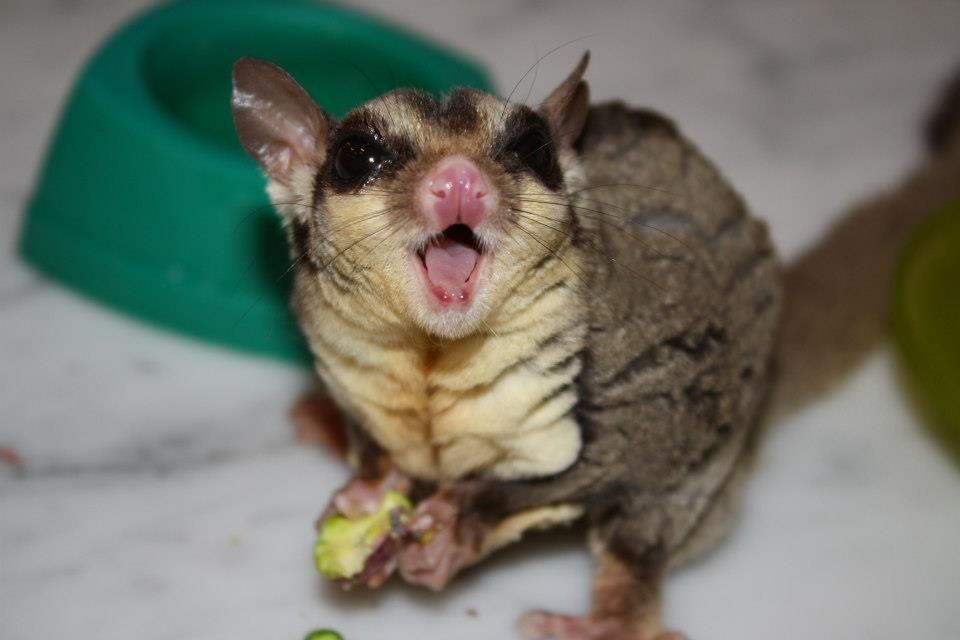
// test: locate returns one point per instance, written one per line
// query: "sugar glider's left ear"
(567, 107)
(277, 122)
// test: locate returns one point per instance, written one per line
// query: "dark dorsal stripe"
(456, 113)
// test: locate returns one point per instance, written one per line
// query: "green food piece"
(344, 545)
(323, 634)
(926, 321)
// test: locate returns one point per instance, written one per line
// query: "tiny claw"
(534, 625)
(423, 524)
(541, 625)
(398, 523)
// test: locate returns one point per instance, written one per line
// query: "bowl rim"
(117, 70)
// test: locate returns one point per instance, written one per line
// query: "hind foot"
(544, 625)
(318, 421)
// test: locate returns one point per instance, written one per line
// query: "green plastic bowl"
(147, 202)
(926, 322)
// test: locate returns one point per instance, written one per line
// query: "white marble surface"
(162, 496)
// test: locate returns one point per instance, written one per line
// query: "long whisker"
(613, 260)
(489, 328)
(327, 264)
(552, 252)
(365, 218)
(259, 298)
(506, 102)
(329, 234)
(550, 140)
(613, 223)
(371, 250)
(364, 280)
(365, 191)
(611, 185)
(620, 224)
(264, 208)
(565, 203)
(377, 89)
(252, 262)
(327, 238)
(536, 71)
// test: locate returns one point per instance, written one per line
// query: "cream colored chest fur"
(498, 403)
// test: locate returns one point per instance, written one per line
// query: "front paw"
(362, 496)
(362, 531)
(545, 625)
(442, 543)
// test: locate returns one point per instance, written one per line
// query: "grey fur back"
(683, 303)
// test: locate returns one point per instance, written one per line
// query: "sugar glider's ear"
(278, 124)
(567, 107)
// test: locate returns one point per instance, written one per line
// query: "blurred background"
(150, 483)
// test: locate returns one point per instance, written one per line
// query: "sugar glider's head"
(431, 210)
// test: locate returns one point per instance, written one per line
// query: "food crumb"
(472, 612)
(235, 541)
(10, 456)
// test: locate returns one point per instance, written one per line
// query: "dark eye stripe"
(525, 145)
(389, 153)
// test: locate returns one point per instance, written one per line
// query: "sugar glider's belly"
(517, 424)
(520, 426)
(502, 408)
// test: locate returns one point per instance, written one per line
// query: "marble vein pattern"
(161, 494)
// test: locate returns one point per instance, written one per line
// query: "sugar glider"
(534, 316)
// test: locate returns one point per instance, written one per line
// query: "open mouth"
(449, 264)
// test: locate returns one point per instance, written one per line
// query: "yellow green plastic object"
(343, 546)
(146, 201)
(323, 634)
(926, 321)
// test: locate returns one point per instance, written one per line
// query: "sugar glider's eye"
(355, 157)
(534, 150)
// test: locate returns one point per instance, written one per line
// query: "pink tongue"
(449, 264)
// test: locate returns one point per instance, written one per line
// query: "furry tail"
(837, 293)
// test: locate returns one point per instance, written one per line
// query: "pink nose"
(455, 191)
